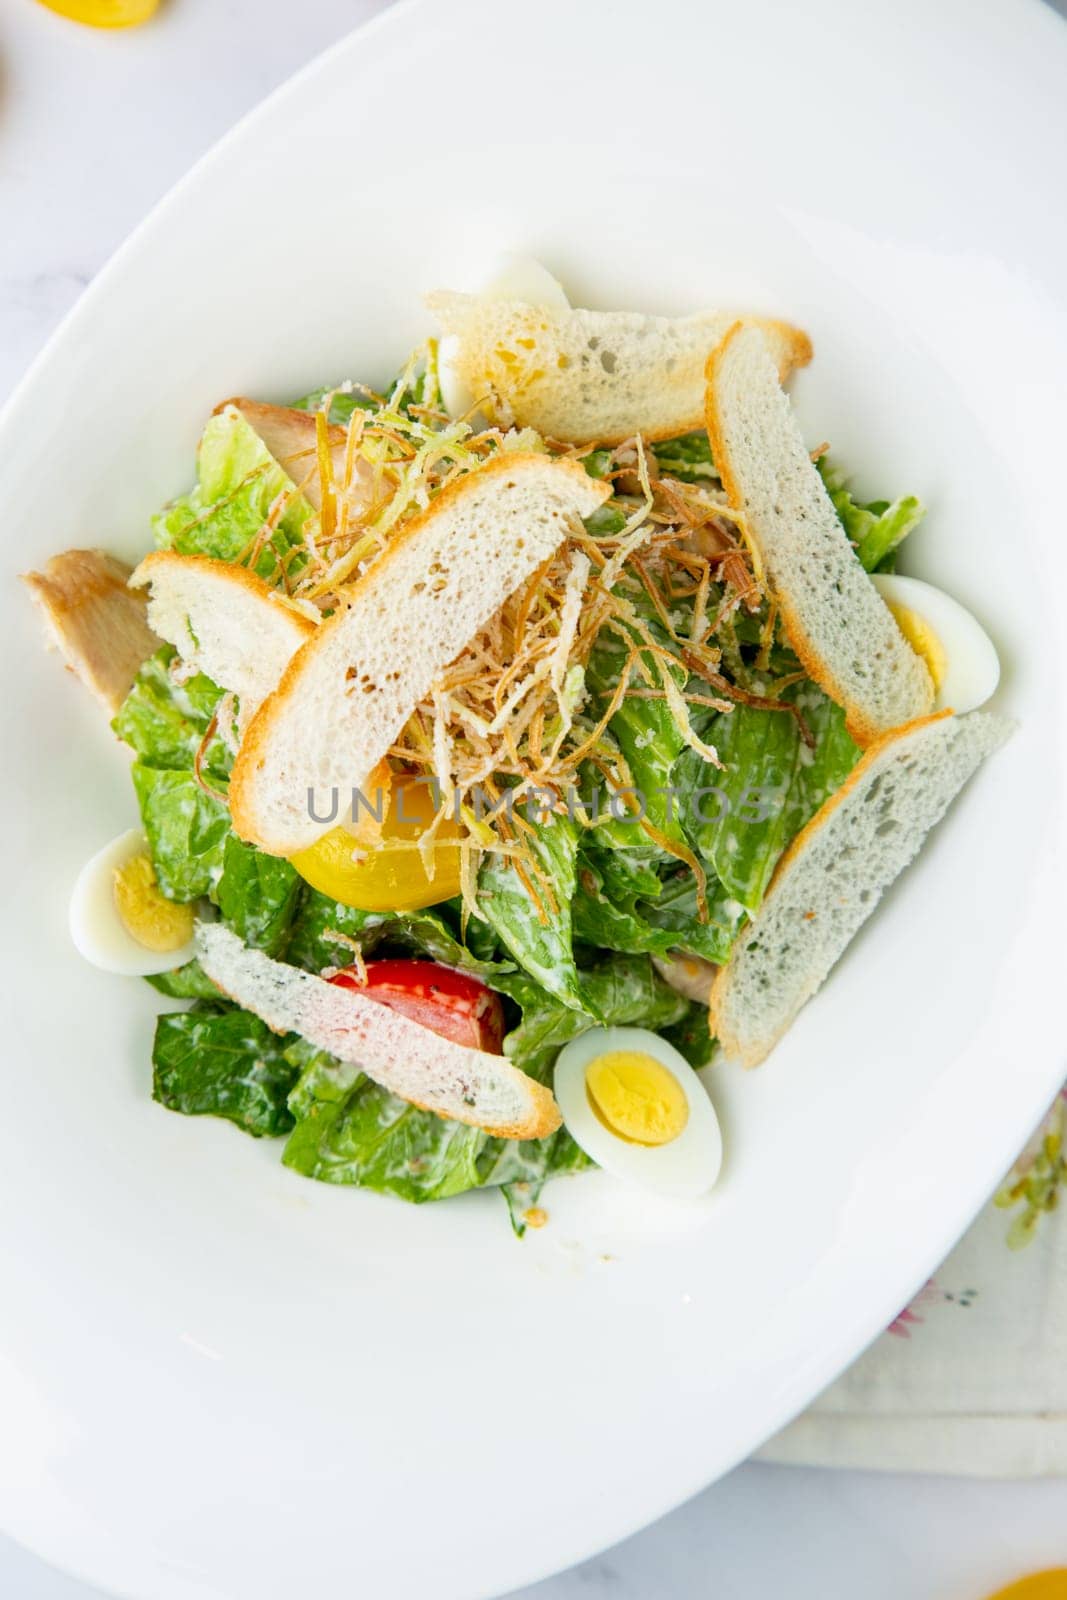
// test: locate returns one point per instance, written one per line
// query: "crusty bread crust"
(159, 562)
(593, 376)
(861, 725)
(542, 1119)
(255, 751)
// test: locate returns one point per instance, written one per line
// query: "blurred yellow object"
(105, 13)
(1050, 1585)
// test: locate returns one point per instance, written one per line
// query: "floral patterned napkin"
(972, 1376)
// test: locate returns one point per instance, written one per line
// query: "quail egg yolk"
(922, 638)
(145, 913)
(636, 1098)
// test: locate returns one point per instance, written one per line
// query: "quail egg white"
(119, 919)
(956, 648)
(639, 1110)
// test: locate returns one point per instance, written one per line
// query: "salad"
(468, 938)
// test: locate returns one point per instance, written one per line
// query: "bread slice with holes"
(834, 873)
(452, 1080)
(348, 691)
(291, 436)
(224, 621)
(835, 619)
(593, 375)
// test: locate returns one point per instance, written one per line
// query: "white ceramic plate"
(219, 1380)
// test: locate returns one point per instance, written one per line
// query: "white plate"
(219, 1380)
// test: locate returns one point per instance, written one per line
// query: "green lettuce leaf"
(428, 933)
(542, 948)
(741, 819)
(687, 457)
(189, 982)
(239, 485)
(620, 990)
(164, 720)
(186, 830)
(351, 1131)
(257, 894)
(223, 1064)
(877, 528)
(604, 919)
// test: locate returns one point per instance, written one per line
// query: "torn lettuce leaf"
(324, 931)
(164, 719)
(538, 938)
(189, 982)
(241, 491)
(876, 528)
(688, 457)
(186, 830)
(606, 920)
(741, 818)
(676, 910)
(351, 1131)
(621, 990)
(520, 1168)
(223, 1064)
(257, 894)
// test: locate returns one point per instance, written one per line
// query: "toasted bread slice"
(471, 1086)
(593, 375)
(224, 621)
(349, 690)
(833, 874)
(99, 627)
(291, 436)
(835, 619)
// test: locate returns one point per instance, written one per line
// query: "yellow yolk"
(636, 1098)
(147, 916)
(357, 866)
(105, 13)
(1050, 1585)
(922, 638)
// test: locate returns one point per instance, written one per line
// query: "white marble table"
(93, 129)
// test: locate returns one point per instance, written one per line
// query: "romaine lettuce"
(741, 818)
(186, 830)
(223, 1064)
(241, 489)
(538, 938)
(257, 894)
(877, 528)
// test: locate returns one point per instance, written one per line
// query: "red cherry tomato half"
(453, 1004)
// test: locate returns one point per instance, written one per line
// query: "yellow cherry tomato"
(1049, 1585)
(379, 878)
(105, 13)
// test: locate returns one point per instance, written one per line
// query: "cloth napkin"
(970, 1378)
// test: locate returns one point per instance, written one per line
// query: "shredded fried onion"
(514, 715)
